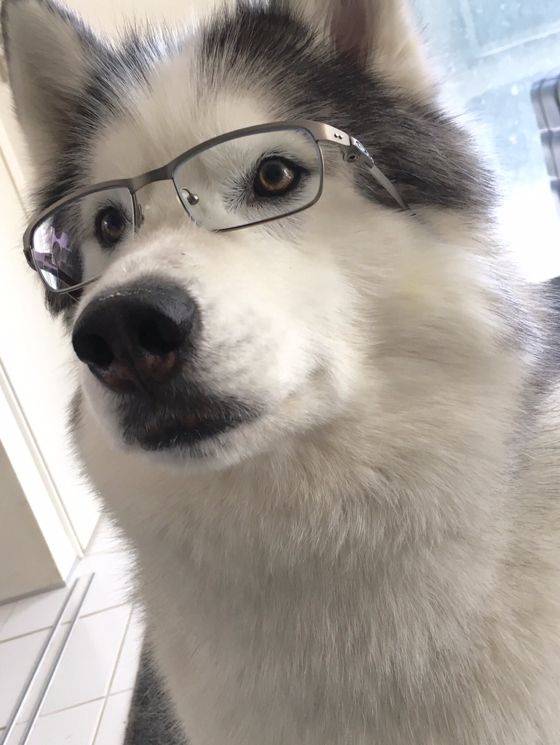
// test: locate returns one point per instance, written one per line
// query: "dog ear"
(49, 52)
(378, 34)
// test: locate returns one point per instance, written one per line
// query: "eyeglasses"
(247, 177)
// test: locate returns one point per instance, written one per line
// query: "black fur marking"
(421, 149)
(181, 416)
(152, 720)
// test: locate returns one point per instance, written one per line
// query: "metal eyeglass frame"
(352, 151)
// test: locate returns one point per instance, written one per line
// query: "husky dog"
(313, 394)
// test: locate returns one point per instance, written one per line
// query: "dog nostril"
(160, 335)
(93, 350)
(138, 336)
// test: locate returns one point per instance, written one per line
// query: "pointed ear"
(49, 53)
(379, 34)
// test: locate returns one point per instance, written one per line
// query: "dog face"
(212, 346)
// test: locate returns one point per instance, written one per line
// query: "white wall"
(36, 356)
(26, 562)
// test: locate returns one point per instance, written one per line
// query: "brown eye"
(110, 226)
(275, 177)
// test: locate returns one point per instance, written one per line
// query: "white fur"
(376, 558)
(351, 555)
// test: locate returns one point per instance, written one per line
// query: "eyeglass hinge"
(357, 151)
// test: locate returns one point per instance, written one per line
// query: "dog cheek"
(266, 362)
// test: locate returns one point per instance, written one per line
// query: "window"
(489, 53)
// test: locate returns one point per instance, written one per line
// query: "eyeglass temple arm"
(28, 256)
(357, 152)
(352, 151)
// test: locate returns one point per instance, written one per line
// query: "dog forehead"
(177, 109)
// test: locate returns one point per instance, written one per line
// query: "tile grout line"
(60, 652)
(72, 706)
(82, 703)
(102, 525)
(103, 610)
(118, 659)
(46, 628)
(115, 548)
(96, 698)
(94, 537)
(12, 720)
(27, 633)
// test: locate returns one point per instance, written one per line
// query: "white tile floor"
(88, 700)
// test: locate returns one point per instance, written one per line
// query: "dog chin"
(211, 441)
(213, 452)
(187, 432)
(194, 426)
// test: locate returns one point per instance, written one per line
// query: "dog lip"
(183, 431)
(183, 425)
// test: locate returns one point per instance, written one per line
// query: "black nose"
(138, 336)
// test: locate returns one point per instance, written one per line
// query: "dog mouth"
(183, 432)
(183, 426)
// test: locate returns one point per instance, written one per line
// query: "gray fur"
(421, 149)
(152, 720)
(418, 146)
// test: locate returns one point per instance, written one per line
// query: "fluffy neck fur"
(355, 571)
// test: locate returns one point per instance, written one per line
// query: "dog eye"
(110, 226)
(275, 177)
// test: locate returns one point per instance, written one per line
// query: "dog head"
(208, 344)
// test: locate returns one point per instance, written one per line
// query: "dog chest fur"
(374, 556)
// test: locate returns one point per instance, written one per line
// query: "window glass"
(489, 53)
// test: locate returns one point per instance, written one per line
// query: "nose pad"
(138, 337)
(190, 197)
